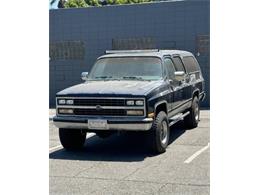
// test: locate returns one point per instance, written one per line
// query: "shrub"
(93, 2)
(75, 4)
(110, 2)
(86, 3)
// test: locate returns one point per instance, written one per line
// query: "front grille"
(105, 112)
(94, 106)
(101, 102)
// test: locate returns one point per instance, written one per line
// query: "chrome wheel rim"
(196, 112)
(164, 132)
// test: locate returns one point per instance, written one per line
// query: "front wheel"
(160, 133)
(192, 119)
(72, 138)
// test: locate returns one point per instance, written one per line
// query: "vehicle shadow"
(126, 147)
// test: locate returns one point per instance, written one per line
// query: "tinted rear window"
(191, 64)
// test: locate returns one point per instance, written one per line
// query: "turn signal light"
(135, 112)
(65, 111)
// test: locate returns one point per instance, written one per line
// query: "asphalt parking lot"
(121, 164)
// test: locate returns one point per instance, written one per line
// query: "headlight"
(139, 102)
(134, 102)
(130, 102)
(69, 102)
(61, 101)
(135, 112)
(65, 111)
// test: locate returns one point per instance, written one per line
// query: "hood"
(112, 87)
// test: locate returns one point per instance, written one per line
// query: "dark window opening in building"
(67, 50)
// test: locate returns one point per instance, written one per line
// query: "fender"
(196, 90)
(160, 103)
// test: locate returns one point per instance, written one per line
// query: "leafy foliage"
(75, 4)
(121, 2)
(86, 3)
(93, 2)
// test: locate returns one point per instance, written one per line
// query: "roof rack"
(131, 51)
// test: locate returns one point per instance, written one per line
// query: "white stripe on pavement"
(192, 157)
(89, 135)
(55, 147)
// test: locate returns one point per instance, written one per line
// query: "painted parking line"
(55, 147)
(89, 135)
(192, 157)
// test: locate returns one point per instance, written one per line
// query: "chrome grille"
(100, 106)
(105, 112)
(101, 102)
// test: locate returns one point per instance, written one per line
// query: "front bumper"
(124, 124)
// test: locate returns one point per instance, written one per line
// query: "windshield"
(127, 68)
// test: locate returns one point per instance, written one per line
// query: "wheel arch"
(196, 92)
(161, 106)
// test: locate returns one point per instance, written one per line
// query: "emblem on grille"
(98, 107)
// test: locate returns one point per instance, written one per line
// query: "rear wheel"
(160, 133)
(192, 119)
(72, 138)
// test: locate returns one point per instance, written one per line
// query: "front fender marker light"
(151, 115)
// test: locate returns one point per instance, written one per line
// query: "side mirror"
(179, 75)
(84, 76)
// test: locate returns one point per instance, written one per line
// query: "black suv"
(132, 90)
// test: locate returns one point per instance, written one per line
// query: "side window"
(170, 67)
(191, 64)
(178, 64)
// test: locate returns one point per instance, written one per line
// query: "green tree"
(86, 3)
(93, 2)
(75, 4)
(110, 2)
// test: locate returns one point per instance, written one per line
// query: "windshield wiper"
(125, 77)
(103, 77)
(133, 77)
(106, 77)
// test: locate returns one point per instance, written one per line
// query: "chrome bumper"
(124, 125)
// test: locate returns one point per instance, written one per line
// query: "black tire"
(192, 120)
(104, 135)
(72, 138)
(160, 133)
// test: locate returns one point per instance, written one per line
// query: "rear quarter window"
(191, 64)
(178, 64)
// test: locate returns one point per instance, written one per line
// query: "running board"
(177, 118)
